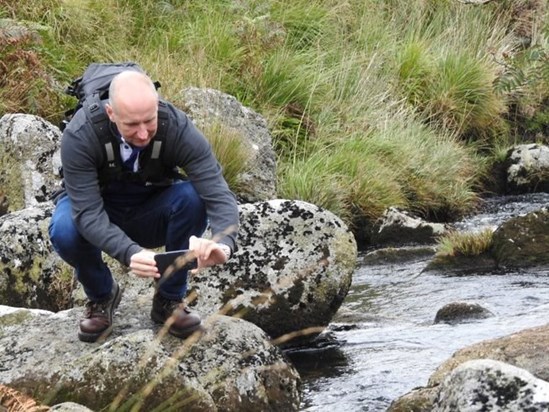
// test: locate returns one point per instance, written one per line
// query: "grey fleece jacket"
(185, 147)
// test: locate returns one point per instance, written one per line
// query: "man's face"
(135, 119)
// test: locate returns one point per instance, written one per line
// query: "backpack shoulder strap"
(162, 129)
(157, 163)
(100, 122)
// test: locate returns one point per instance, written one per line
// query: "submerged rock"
(458, 312)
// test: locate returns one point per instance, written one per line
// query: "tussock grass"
(230, 151)
(465, 244)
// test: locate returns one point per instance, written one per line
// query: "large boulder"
(527, 349)
(292, 270)
(208, 107)
(522, 241)
(528, 169)
(30, 160)
(230, 366)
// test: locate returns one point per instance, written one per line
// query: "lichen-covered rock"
(523, 241)
(528, 169)
(230, 366)
(292, 270)
(31, 273)
(29, 160)
(207, 107)
(488, 385)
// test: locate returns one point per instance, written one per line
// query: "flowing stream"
(383, 341)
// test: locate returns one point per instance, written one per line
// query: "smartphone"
(180, 259)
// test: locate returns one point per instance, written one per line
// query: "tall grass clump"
(466, 244)
(445, 69)
(402, 164)
(229, 149)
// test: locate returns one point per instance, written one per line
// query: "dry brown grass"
(23, 74)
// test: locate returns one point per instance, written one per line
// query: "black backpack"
(95, 81)
(91, 89)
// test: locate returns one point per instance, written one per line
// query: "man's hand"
(142, 264)
(207, 252)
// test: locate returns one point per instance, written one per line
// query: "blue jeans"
(167, 217)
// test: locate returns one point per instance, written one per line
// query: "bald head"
(133, 107)
(131, 86)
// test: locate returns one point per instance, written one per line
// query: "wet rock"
(528, 169)
(206, 107)
(397, 254)
(230, 366)
(522, 241)
(417, 400)
(398, 227)
(488, 385)
(459, 312)
(463, 265)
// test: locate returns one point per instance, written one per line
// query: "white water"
(392, 345)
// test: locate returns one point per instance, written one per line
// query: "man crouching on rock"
(123, 196)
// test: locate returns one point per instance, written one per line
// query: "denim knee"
(63, 233)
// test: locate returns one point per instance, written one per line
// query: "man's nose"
(142, 133)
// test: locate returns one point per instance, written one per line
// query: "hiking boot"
(184, 321)
(97, 321)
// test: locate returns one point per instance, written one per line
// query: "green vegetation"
(371, 103)
(466, 244)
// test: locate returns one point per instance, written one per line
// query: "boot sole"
(178, 333)
(185, 333)
(94, 337)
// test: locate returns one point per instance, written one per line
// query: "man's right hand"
(142, 264)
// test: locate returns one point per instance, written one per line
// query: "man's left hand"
(207, 252)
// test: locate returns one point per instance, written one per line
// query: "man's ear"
(110, 112)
